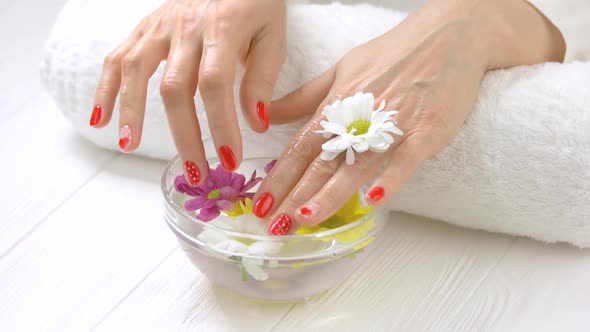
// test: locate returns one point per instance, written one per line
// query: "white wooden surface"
(83, 246)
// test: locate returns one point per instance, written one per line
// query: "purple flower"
(270, 166)
(219, 191)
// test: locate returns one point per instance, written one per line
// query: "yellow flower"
(352, 211)
(240, 207)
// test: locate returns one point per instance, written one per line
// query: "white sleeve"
(572, 18)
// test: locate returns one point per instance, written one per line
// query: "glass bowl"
(298, 267)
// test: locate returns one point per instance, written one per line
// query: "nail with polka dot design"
(192, 173)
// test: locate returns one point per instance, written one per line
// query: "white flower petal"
(232, 246)
(334, 128)
(378, 118)
(255, 271)
(327, 155)
(212, 236)
(334, 115)
(378, 150)
(359, 107)
(338, 144)
(361, 146)
(373, 140)
(386, 137)
(349, 156)
(251, 224)
(264, 248)
(397, 131)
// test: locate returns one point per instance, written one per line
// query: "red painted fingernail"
(95, 117)
(376, 194)
(309, 209)
(280, 225)
(228, 160)
(124, 138)
(191, 172)
(262, 113)
(263, 205)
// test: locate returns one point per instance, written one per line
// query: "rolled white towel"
(520, 165)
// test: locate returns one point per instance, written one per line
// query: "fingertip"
(308, 214)
(129, 138)
(263, 205)
(100, 117)
(254, 108)
(280, 225)
(194, 173)
(375, 196)
(262, 113)
(228, 159)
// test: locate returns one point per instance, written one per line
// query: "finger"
(178, 88)
(401, 165)
(137, 67)
(303, 101)
(315, 177)
(266, 56)
(216, 78)
(110, 79)
(346, 181)
(291, 166)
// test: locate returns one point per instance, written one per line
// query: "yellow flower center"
(214, 194)
(361, 126)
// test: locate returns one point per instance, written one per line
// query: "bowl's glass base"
(286, 283)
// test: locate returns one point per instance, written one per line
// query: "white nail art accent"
(124, 137)
(308, 210)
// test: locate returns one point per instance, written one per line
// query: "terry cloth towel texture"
(520, 165)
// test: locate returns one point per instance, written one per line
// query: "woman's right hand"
(201, 41)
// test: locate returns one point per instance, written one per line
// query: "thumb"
(263, 64)
(303, 101)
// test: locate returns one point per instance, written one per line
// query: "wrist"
(502, 33)
(515, 33)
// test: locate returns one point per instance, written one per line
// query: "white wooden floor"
(83, 246)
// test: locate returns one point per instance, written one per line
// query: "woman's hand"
(201, 41)
(428, 68)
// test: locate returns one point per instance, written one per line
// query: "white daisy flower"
(353, 125)
(245, 223)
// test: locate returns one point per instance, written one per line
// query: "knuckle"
(223, 17)
(315, 123)
(158, 29)
(171, 87)
(188, 17)
(301, 148)
(227, 10)
(103, 89)
(131, 62)
(332, 195)
(389, 177)
(142, 27)
(112, 59)
(435, 117)
(211, 79)
(362, 162)
(323, 169)
(413, 149)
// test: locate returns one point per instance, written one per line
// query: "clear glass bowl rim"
(180, 209)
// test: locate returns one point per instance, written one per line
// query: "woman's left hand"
(428, 68)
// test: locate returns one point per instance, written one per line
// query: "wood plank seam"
(130, 292)
(57, 207)
(283, 317)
